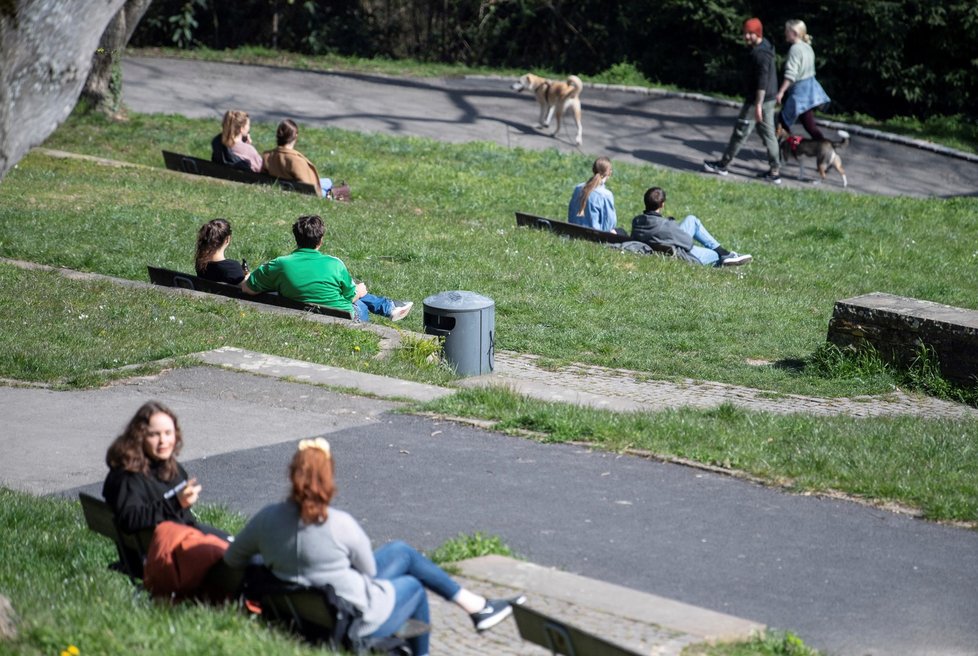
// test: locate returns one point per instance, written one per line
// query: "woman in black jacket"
(210, 262)
(146, 485)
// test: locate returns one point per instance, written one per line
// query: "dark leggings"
(807, 120)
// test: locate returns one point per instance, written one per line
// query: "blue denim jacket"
(803, 95)
(599, 212)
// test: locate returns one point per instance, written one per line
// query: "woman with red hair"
(303, 540)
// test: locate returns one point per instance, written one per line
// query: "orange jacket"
(178, 559)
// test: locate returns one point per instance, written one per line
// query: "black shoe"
(716, 166)
(770, 176)
(495, 611)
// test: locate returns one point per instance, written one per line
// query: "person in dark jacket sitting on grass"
(654, 229)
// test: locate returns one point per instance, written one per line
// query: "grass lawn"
(931, 465)
(428, 217)
(82, 333)
(54, 572)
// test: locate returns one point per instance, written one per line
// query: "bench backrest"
(568, 229)
(171, 278)
(561, 638)
(130, 547)
(197, 166)
(304, 611)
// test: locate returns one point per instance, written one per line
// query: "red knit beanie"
(753, 26)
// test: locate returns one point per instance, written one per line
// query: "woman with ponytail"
(306, 541)
(213, 240)
(592, 204)
(799, 77)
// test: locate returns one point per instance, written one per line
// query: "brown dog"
(823, 150)
(555, 98)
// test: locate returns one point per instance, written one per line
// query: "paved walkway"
(676, 131)
(624, 390)
(847, 578)
(597, 387)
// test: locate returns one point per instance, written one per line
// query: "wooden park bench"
(318, 616)
(131, 547)
(562, 638)
(171, 278)
(197, 166)
(573, 231)
(899, 328)
(221, 580)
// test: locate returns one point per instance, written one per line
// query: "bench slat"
(131, 547)
(573, 231)
(171, 278)
(561, 638)
(207, 168)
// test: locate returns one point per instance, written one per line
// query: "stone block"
(898, 328)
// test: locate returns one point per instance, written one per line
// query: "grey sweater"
(336, 552)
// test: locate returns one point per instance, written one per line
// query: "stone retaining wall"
(898, 327)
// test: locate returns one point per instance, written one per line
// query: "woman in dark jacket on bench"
(146, 485)
(213, 240)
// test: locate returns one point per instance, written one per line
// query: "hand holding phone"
(189, 494)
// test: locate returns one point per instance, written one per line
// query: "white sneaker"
(401, 309)
(735, 259)
(716, 166)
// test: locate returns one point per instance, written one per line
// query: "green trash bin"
(467, 321)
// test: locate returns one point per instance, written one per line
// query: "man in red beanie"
(761, 87)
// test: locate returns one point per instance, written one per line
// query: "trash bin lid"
(458, 300)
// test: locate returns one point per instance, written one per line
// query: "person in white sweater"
(303, 540)
(806, 94)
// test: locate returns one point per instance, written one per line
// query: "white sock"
(469, 601)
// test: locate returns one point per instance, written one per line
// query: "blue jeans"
(411, 572)
(326, 184)
(369, 304)
(695, 229)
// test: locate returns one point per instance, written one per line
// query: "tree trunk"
(46, 50)
(103, 88)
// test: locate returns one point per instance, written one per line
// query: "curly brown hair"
(210, 237)
(127, 451)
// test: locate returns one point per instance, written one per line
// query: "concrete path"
(624, 390)
(847, 578)
(645, 623)
(666, 130)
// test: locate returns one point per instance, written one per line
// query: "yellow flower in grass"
(71, 651)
